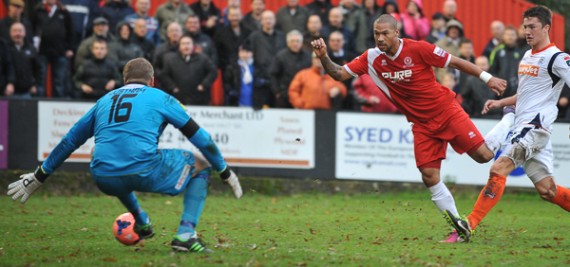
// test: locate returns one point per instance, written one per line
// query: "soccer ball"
(124, 229)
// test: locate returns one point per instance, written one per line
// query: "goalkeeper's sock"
(488, 198)
(442, 198)
(194, 200)
(131, 203)
(562, 197)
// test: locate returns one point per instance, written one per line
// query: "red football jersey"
(408, 78)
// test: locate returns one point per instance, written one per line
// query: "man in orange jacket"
(312, 88)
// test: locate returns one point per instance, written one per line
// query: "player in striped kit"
(543, 71)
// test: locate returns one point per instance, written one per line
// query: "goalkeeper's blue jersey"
(126, 123)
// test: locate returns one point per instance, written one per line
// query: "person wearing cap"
(453, 37)
(15, 11)
(53, 30)
(100, 31)
(415, 24)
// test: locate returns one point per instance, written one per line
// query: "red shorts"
(452, 126)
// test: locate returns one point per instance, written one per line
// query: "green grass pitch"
(396, 229)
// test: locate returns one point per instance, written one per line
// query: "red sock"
(488, 198)
(562, 197)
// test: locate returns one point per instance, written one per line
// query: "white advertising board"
(271, 138)
(380, 147)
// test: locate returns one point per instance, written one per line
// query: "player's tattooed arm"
(336, 71)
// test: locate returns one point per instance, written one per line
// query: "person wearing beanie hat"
(437, 31)
(450, 43)
(414, 23)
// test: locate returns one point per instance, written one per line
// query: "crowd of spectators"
(264, 58)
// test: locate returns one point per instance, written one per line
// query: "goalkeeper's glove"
(27, 184)
(230, 178)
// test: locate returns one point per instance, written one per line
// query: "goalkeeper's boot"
(144, 231)
(460, 224)
(453, 238)
(193, 244)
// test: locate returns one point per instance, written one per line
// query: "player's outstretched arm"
(496, 85)
(30, 182)
(336, 71)
(494, 104)
(203, 141)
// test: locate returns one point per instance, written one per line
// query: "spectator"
(264, 44)
(475, 92)
(202, 42)
(238, 80)
(189, 76)
(52, 25)
(292, 17)
(449, 10)
(314, 32)
(209, 14)
(171, 11)
(563, 102)
(7, 73)
(173, 35)
(229, 38)
(252, 20)
(391, 7)
(453, 37)
(371, 12)
(505, 59)
(312, 88)
(466, 52)
(152, 26)
(98, 75)
(522, 44)
(340, 56)
(126, 48)
(320, 8)
(115, 11)
(231, 4)
(15, 11)
(437, 31)
(285, 65)
(82, 13)
(414, 23)
(336, 49)
(140, 38)
(349, 9)
(335, 24)
(370, 98)
(497, 29)
(100, 31)
(25, 63)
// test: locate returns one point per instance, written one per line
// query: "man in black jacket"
(15, 14)
(202, 42)
(264, 44)
(505, 60)
(285, 65)
(52, 25)
(188, 76)
(139, 37)
(98, 75)
(25, 62)
(173, 34)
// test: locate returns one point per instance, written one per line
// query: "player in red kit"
(402, 69)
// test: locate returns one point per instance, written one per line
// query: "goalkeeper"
(126, 124)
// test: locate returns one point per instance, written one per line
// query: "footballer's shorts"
(452, 126)
(531, 148)
(170, 177)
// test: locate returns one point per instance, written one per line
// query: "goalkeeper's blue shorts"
(170, 177)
